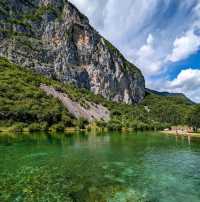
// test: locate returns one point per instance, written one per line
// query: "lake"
(90, 167)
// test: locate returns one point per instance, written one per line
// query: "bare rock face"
(55, 39)
(93, 112)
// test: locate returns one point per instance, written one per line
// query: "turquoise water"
(143, 167)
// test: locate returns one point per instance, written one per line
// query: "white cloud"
(184, 46)
(188, 79)
(189, 42)
(187, 82)
(146, 58)
(95, 10)
(150, 40)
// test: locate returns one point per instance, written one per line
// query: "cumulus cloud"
(185, 46)
(146, 58)
(189, 42)
(187, 82)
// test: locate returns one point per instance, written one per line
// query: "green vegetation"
(4, 8)
(111, 47)
(18, 127)
(21, 100)
(168, 109)
(81, 123)
(59, 127)
(19, 22)
(24, 106)
(39, 12)
(23, 20)
(194, 118)
(34, 127)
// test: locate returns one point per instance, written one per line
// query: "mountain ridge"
(169, 94)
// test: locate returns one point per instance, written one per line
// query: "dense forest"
(24, 105)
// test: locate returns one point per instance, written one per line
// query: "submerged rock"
(55, 39)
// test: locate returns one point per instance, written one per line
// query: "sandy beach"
(181, 133)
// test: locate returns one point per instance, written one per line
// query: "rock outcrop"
(55, 39)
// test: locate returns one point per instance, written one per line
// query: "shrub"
(114, 126)
(116, 113)
(59, 127)
(134, 125)
(34, 127)
(101, 124)
(81, 123)
(142, 126)
(17, 128)
(67, 121)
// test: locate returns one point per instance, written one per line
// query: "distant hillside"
(167, 94)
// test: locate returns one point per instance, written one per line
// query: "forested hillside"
(23, 104)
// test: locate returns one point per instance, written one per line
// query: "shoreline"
(184, 134)
(66, 130)
(25, 130)
(74, 130)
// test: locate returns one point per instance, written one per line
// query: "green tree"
(81, 123)
(194, 118)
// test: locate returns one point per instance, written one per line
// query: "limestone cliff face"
(55, 39)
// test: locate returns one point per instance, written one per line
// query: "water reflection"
(189, 139)
(184, 139)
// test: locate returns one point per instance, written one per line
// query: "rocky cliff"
(55, 39)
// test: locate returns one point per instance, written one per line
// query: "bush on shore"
(17, 127)
(81, 123)
(59, 127)
(114, 125)
(36, 127)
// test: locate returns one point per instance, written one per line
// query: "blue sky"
(162, 37)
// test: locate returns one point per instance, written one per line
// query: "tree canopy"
(194, 118)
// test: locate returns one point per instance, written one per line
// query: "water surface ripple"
(112, 167)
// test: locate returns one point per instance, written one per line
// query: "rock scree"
(93, 112)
